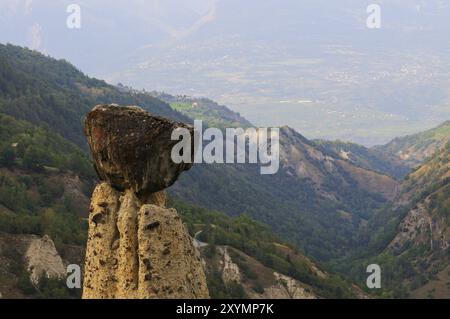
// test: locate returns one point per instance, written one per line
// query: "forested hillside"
(45, 91)
(45, 182)
(410, 236)
(316, 201)
(254, 247)
(204, 109)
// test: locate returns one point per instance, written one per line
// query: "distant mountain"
(414, 149)
(330, 174)
(368, 158)
(396, 158)
(204, 109)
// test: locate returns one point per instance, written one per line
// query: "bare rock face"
(132, 149)
(43, 260)
(230, 270)
(137, 248)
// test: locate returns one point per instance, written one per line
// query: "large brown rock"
(132, 149)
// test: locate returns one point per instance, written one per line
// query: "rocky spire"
(137, 248)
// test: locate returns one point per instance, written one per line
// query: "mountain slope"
(245, 258)
(316, 200)
(22, 254)
(426, 224)
(51, 92)
(45, 182)
(414, 149)
(410, 237)
(206, 110)
(368, 158)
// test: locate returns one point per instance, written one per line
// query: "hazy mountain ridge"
(294, 144)
(214, 114)
(414, 149)
(368, 158)
(396, 158)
